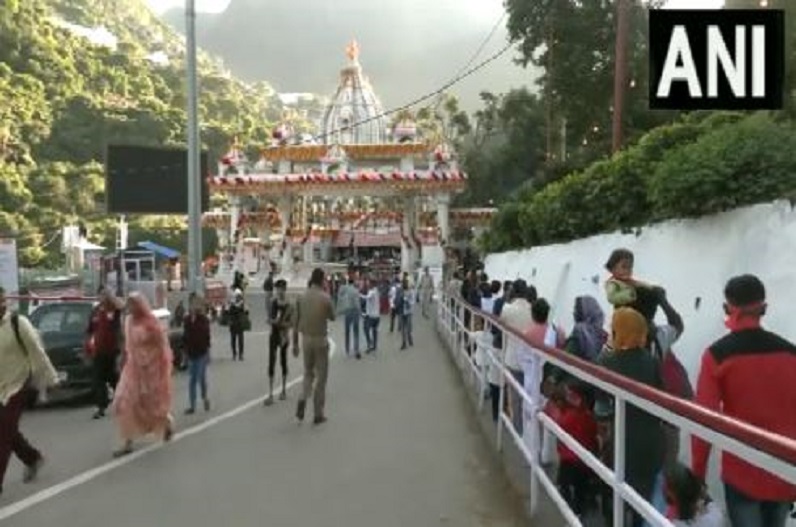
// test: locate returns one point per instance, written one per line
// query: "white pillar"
(407, 164)
(234, 218)
(285, 210)
(443, 216)
(409, 252)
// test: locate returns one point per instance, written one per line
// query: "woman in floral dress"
(142, 401)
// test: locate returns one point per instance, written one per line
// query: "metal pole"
(620, 71)
(195, 282)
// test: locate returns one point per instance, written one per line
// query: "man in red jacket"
(104, 346)
(749, 375)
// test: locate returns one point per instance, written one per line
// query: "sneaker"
(190, 411)
(283, 395)
(32, 471)
(301, 409)
(207, 405)
(99, 414)
(319, 420)
(269, 400)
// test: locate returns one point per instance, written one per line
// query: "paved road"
(401, 448)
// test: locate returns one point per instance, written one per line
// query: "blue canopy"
(159, 249)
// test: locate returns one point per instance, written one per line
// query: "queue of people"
(747, 374)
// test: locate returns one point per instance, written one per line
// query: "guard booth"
(132, 270)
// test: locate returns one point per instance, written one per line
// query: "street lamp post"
(620, 71)
(195, 277)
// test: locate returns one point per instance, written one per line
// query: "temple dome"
(354, 102)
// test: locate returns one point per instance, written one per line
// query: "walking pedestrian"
(372, 316)
(348, 305)
(405, 303)
(196, 338)
(516, 314)
(237, 320)
(394, 313)
(314, 311)
(749, 375)
(426, 291)
(142, 402)
(104, 347)
(278, 340)
(24, 367)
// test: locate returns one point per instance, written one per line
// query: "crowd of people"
(132, 359)
(746, 374)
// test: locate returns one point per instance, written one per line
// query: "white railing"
(767, 451)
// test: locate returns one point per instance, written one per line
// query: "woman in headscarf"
(142, 401)
(587, 340)
(644, 436)
(588, 336)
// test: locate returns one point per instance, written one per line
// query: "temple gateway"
(362, 192)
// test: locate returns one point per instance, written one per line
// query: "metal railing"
(770, 452)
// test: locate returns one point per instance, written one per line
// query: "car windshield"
(62, 318)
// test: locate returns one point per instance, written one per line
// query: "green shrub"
(750, 162)
(703, 164)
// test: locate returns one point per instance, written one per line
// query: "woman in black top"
(237, 315)
(644, 436)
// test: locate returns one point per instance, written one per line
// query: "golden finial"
(352, 50)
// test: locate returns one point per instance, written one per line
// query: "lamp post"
(620, 71)
(195, 277)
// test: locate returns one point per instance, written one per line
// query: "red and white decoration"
(344, 178)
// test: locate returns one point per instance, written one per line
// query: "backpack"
(32, 394)
(400, 300)
(673, 373)
(675, 378)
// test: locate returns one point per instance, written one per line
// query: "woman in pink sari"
(142, 401)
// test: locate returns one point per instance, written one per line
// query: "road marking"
(84, 477)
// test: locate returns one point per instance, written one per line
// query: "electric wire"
(422, 98)
(475, 55)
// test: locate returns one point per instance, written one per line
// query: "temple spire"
(352, 51)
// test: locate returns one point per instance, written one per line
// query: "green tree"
(573, 41)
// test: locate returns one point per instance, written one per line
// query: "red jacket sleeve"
(708, 394)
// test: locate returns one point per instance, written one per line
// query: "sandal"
(125, 450)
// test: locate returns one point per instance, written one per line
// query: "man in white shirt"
(24, 366)
(372, 316)
(516, 314)
(393, 308)
(426, 291)
(348, 305)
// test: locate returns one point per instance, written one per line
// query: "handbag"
(223, 320)
(246, 321)
(29, 390)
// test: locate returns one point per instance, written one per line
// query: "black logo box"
(696, 23)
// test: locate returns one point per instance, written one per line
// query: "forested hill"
(76, 75)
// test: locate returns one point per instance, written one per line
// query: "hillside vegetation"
(76, 75)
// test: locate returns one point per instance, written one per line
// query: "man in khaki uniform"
(314, 311)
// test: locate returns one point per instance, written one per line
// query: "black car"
(62, 327)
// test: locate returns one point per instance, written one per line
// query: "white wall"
(690, 258)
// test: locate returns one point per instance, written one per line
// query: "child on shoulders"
(622, 289)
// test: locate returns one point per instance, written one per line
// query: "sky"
(216, 6)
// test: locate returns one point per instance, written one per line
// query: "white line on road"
(91, 474)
